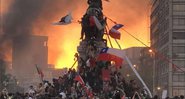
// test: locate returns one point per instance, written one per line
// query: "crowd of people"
(69, 86)
(98, 81)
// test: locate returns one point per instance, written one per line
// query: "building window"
(178, 49)
(181, 78)
(182, 92)
(179, 63)
(178, 77)
(178, 35)
(175, 78)
(179, 7)
(179, 21)
(178, 91)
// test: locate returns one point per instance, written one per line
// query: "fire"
(63, 40)
(69, 48)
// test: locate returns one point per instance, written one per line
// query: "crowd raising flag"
(114, 33)
(64, 20)
(79, 79)
(39, 71)
(112, 54)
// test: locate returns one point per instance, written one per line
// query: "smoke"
(18, 22)
(26, 17)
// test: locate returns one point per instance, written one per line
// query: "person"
(167, 98)
(4, 94)
(155, 97)
(181, 97)
(176, 97)
(31, 91)
(40, 90)
(62, 95)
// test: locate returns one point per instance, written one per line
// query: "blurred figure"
(155, 97)
(31, 91)
(40, 91)
(4, 94)
(181, 97)
(176, 97)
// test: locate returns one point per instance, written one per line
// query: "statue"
(89, 26)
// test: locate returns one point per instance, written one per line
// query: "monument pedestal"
(90, 49)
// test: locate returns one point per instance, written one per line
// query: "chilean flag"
(79, 79)
(88, 92)
(114, 33)
(112, 54)
(64, 20)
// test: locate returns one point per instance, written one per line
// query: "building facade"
(141, 62)
(168, 40)
(146, 66)
(26, 56)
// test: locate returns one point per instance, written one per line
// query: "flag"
(105, 75)
(39, 71)
(94, 21)
(88, 92)
(112, 54)
(117, 26)
(114, 33)
(79, 79)
(64, 20)
(91, 62)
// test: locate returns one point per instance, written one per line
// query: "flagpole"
(118, 44)
(109, 37)
(139, 77)
(41, 78)
(73, 64)
(134, 70)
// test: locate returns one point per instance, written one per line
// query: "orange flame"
(63, 40)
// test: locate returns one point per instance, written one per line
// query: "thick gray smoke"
(18, 22)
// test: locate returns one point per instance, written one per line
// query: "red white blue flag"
(114, 33)
(79, 79)
(112, 54)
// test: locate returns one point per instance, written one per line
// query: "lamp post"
(152, 55)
